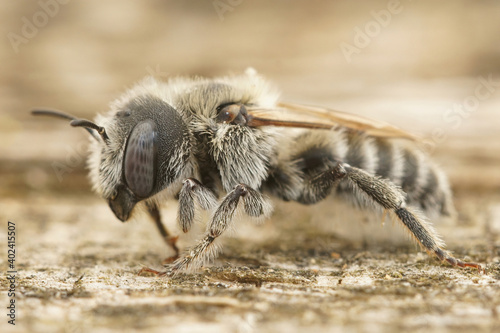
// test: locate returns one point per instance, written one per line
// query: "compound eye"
(140, 159)
(232, 114)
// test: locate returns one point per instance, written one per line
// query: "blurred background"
(429, 67)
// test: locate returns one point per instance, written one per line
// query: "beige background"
(415, 70)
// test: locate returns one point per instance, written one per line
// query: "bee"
(228, 142)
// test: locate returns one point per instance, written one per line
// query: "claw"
(445, 256)
(153, 271)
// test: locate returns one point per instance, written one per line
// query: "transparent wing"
(304, 116)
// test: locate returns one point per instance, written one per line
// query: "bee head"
(146, 150)
(140, 148)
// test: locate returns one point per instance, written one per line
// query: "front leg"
(154, 212)
(193, 190)
(255, 205)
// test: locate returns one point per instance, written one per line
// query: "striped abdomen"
(405, 165)
(315, 151)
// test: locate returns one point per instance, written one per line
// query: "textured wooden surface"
(322, 267)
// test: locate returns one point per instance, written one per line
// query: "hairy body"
(220, 143)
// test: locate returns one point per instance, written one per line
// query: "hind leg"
(379, 192)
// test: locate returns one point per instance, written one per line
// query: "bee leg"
(318, 187)
(254, 205)
(154, 211)
(192, 189)
(390, 197)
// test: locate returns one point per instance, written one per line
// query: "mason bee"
(216, 144)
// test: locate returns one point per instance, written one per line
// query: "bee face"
(147, 147)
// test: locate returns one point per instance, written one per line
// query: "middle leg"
(254, 204)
